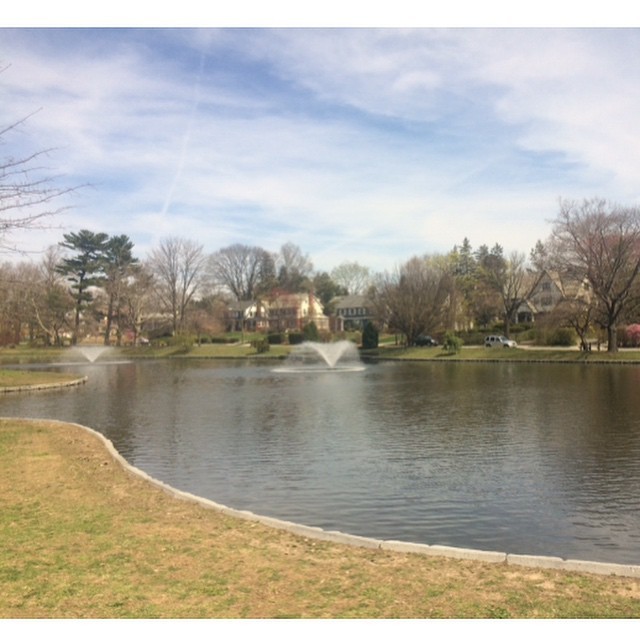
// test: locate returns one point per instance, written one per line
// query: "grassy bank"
(26, 355)
(83, 538)
(521, 354)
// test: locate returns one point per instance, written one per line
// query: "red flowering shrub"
(632, 335)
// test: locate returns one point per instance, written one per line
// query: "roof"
(352, 302)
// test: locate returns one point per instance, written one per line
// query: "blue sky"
(370, 144)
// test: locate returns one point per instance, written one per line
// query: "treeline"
(93, 283)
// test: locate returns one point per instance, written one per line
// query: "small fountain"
(90, 352)
(321, 356)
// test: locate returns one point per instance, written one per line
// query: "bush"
(295, 337)
(369, 336)
(310, 332)
(452, 343)
(261, 345)
(473, 337)
(181, 343)
(561, 337)
(632, 336)
(275, 338)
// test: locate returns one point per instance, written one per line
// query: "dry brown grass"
(84, 538)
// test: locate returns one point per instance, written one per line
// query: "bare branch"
(28, 193)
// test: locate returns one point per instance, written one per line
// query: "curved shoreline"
(495, 557)
(44, 386)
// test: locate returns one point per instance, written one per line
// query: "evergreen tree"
(84, 269)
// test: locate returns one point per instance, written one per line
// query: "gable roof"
(351, 302)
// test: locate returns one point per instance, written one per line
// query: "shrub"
(473, 337)
(275, 338)
(295, 337)
(632, 336)
(369, 336)
(310, 332)
(222, 340)
(261, 345)
(452, 343)
(181, 343)
(561, 338)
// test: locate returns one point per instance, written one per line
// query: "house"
(352, 312)
(549, 292)
(292, 311)
(246, 315)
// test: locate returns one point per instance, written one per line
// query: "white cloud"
(367, 145)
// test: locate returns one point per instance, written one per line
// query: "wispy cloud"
(356, 144)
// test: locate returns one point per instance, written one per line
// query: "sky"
(368, 144)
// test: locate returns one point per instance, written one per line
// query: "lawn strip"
(84, 538)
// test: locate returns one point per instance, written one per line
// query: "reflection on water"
(541, 459)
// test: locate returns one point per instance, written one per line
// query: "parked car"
(426, 341)
(499, 341)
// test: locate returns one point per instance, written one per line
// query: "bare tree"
(51, 300)
(510, 279)
(294, 268)
(577, 313)
(119, 266)
(178, 266)
(241, 269)
(355, 278)
(28, 193)
(136, 300)
(412, 300)
(599, 242)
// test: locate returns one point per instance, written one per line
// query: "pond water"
(519, 458)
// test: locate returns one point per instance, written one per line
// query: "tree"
(369, 336)
(119, 265)
(326, 290)
(50, 299)
(178, 266)
(464, 283)
(352, 277)
(294, 269)
(575, 312)
(136, 299)
(242, 269)
(16, 281)
(83, 270)
(412, 300)
(28, 194)
(510, 280)
(599, 243)
(310, 332)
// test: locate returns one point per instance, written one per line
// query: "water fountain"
(90, 352)
(323, 356)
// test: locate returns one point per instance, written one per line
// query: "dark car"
(426, 341)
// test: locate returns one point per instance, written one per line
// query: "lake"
(519, 458)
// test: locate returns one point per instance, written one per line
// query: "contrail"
(186, 138)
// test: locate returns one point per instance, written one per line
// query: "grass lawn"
(522, 354)
(83, 538)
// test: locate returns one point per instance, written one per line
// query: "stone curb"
(44, 386)
(316, 533)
